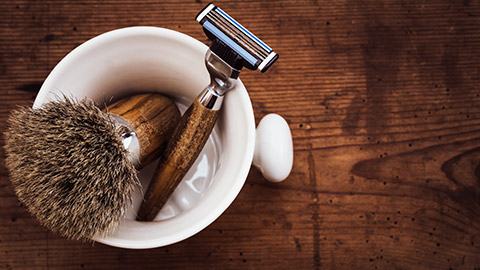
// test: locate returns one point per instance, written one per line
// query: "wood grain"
(383, 101)
(153, 117)
(181, 151)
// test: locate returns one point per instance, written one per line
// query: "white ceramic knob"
(273, 148)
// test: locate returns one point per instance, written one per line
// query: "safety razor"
(233, 47)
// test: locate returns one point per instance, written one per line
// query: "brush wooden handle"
(182, 150)
(153, 117)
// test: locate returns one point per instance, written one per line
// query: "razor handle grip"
(186, 143)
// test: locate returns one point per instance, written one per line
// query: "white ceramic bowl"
(151, 59)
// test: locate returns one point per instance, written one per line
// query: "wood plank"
(383, 101)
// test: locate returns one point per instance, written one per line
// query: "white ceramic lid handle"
(273, 148)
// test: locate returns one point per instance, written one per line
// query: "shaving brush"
(75, 166)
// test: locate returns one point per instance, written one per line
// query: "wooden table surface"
(383, 102)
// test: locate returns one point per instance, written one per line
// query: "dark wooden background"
(383, 102)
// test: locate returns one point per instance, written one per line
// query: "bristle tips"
(68, 166)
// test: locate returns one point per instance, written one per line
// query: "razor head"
(233, 43)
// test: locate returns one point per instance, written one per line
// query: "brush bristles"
(69, 168)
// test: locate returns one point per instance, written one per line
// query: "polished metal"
(210, 99)
(222, 78)
(129, 138)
